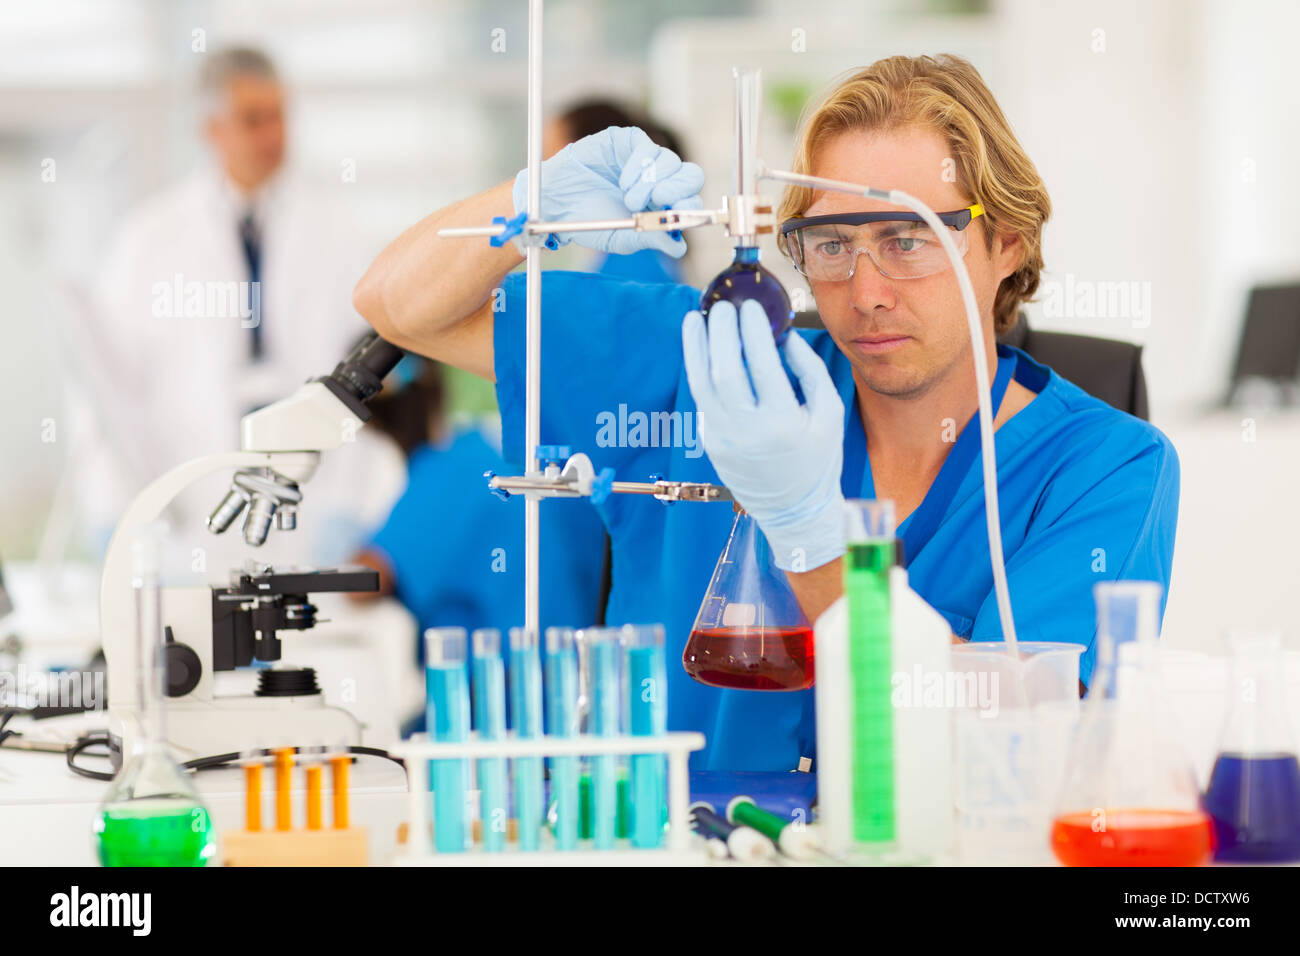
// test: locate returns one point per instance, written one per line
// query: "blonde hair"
(946, 94)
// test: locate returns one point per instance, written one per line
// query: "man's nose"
(871, 290)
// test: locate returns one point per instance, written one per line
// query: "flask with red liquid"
(750, 633)
(1130, 796)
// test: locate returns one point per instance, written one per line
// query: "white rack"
(679, 847)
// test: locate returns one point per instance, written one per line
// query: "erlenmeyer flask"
(750, 633)
(151, 815)
(1254, 792)
(1130, 797)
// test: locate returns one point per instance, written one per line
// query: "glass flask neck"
(1257, 721)
(747, 255)
(149, 654)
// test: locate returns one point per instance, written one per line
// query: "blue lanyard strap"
(916, 531)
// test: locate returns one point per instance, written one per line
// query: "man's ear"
(1007, 253)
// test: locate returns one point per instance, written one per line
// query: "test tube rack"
(680, 847)
(341, 844)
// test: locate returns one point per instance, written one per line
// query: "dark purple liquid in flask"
(745, 279)
(1255, 802)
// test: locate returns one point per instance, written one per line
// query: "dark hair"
(591, 116)
(410, 411)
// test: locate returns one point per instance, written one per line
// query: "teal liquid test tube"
(489, 681)
(562, 716)
(447, 715)
(869, 536)
(605, 658)
(526, 713)
(646, 711)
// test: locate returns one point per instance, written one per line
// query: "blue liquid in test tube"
(447, 714)
(526, 711)
(605, 654)
(562, 713)
(489, 679)
(647, 716)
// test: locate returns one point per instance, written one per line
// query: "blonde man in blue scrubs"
(1088, 493)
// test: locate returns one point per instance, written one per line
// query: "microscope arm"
(117, 596)
(281, 449)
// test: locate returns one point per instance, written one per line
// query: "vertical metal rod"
(533, 280)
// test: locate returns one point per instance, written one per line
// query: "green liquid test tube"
(870, 556)
(604, 654)
(489, 683)
(526, 712)
(646, 711)
(562, 709)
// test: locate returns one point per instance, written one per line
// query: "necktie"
(251, 241)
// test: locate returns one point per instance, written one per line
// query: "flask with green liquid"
(151, 815)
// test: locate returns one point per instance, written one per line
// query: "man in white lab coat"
(220, 294)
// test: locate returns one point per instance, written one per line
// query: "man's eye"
(832, 247)
(907, 244)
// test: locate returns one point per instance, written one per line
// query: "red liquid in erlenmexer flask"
(1134, 838)
(751, 658)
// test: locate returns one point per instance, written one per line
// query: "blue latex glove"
(781, 459)
(607, 175)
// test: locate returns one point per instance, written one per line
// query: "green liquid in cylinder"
(154, 833)
(866, 587)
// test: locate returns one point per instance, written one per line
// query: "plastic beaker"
(1012, 725)
(750, 632)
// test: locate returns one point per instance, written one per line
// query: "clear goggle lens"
(899, 249)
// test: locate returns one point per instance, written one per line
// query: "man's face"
(247, 130)
(903, 336)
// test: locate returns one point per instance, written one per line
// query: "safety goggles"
(900, 244)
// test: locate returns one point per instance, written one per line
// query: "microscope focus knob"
(181, 667)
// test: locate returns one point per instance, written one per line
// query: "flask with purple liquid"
(1254, 792)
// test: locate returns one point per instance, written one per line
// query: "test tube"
(526, 713)
(252, 761)
(604, 655)
(447, 715)
(314, 769)
(489, 678)
(340, 760)
(562, 712)
(283, 783)
(647, 716)
(869, 534)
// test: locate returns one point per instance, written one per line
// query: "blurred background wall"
(1166, 131)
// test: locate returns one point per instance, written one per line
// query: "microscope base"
(235, 724)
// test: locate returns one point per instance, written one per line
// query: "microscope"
(222, 627)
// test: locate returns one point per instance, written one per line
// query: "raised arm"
(433, 296)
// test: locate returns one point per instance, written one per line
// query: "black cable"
(83, 743)
(4, 719)
(199, 763)
(220, 760)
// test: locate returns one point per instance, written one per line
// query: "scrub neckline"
(919, 526)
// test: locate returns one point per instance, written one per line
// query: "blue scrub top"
(1087, 494)
(457, 551)
(645, 265)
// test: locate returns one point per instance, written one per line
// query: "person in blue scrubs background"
(452, 552)
(586, 118)
(1087, 492)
